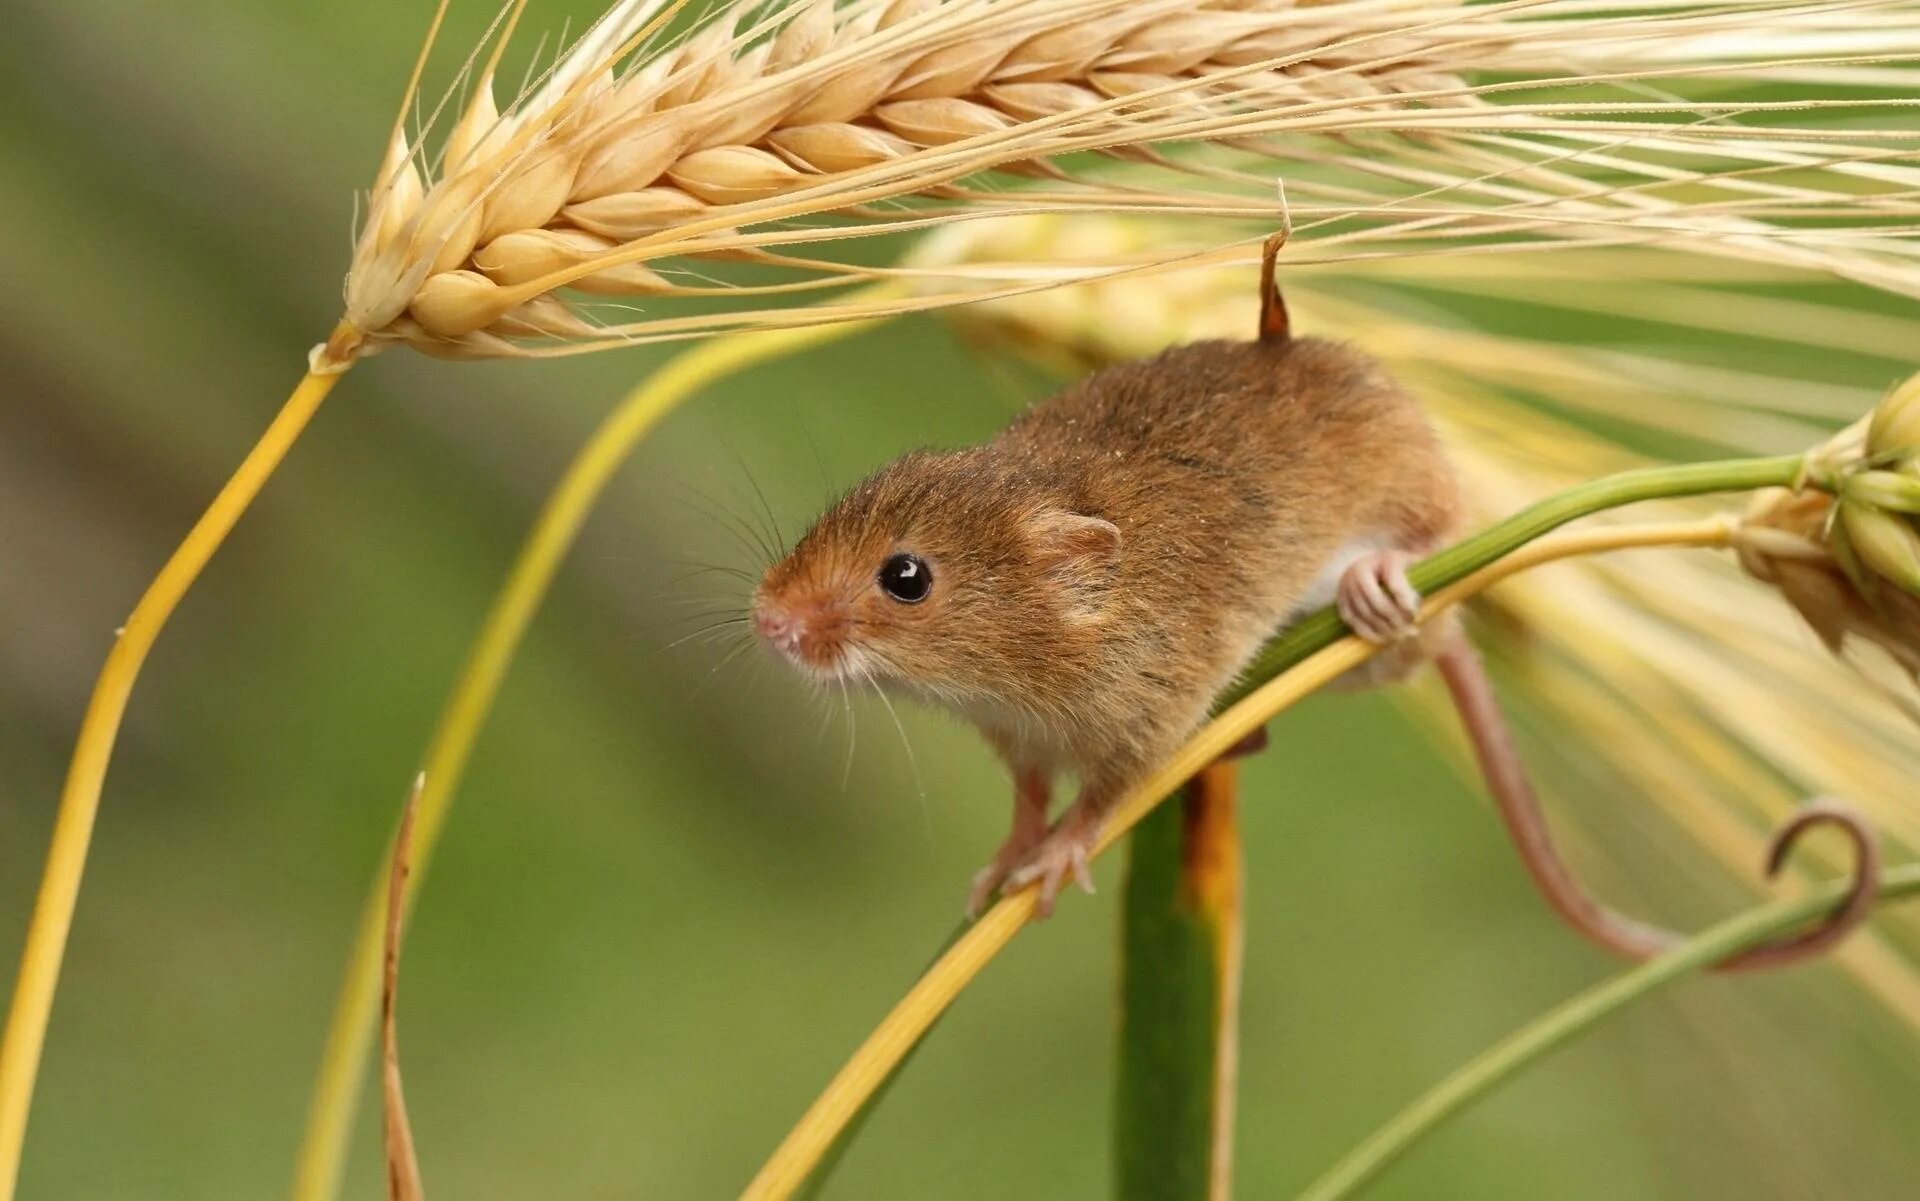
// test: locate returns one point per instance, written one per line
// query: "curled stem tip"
(1853, 908)
(1556, 1028)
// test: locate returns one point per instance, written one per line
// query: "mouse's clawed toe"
(1376, 599)
(1065, 852)
(1032, 790)
(1017, 850)
(980, 890)
(988, 880)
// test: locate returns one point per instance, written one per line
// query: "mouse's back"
(1267, 454)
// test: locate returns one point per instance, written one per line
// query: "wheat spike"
(772, 130)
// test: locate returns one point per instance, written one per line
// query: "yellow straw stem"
(46, 944)
(900, 1030)
(337, 1088)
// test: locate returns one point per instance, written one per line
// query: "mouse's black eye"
(906, 578)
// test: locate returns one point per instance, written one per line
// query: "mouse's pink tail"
(1473, 697)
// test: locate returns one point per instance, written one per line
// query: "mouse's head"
(949, 573)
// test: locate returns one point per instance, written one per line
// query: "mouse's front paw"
(1064, 852)
(1376, 599)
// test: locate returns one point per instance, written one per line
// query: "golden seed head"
(1895, 490)
(1893, 435)
(1873, 467)
(776, 129)
(1883, 543)
(1851, 570)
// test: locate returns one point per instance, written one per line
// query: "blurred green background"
(660, 918)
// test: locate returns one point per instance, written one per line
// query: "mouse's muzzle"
(811, 632)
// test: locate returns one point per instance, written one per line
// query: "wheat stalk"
(771, 129)
(794, 125)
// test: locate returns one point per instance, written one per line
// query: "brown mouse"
(1082, 586)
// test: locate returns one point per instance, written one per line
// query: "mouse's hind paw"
(1376, 599)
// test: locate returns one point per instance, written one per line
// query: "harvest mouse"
(1083, 585)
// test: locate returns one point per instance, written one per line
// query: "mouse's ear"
(1080, 554)
(1072, 543)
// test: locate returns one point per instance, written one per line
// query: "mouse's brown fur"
(1109, 562)
(1104, 567)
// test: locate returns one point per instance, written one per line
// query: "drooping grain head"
(770, 130)
(1850, 563)
(772, 113)
(1788, 541)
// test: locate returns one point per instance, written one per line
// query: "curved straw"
(1730, 939)
(871, 1065)
(46, 943)
(52, 920)
(343, 1064)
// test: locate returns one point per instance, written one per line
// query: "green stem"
(1324, 628)
(1179, 994)
(1575, 1017)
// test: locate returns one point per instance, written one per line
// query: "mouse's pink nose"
(809, 629)
(776, 624)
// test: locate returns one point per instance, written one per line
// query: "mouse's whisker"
(748, 537)
(724, 595)
(846, 703)
(906, 744)
(734, 650)
(823, 704)
(766, 508)
(820, 464)
(710, 630)
(711, 611)
(679, 620)
(705, 639)
(696, 570)
(770, 533)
